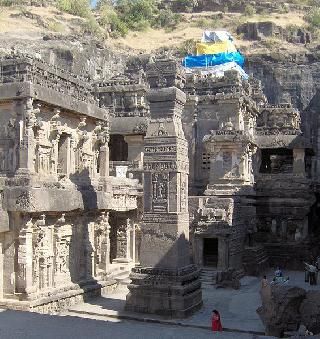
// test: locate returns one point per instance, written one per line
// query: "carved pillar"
(167, 283)
(284, 226)
(90, 250)
(104, 161)
(24, 283)
(73, 148)
(299, 161)
(128, 231)
(26, 136)
(123, 243)
(133, 243)
(105, 246)
(223, 253)
(305, 228)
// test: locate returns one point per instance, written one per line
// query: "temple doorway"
(118, 148)
(210, 252)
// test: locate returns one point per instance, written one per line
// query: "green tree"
(109, 19)
(249, 10)
(166, 18)
(313, 18)
(76, 7)
(134, 11)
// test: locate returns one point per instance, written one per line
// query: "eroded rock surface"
(280, 308)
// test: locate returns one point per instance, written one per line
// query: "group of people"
(279, 278)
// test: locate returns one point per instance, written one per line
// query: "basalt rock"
(310, 311)
(280, 309)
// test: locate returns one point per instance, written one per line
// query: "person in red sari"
(216, 321)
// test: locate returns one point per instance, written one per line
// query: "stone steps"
(120, 273)
(208, 277)
(123, 278)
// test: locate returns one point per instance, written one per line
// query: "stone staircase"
(120, 273)
(255, 260)
(208, 276)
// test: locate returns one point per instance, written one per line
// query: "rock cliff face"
(287, 77)
(83, 56)
(291, 78)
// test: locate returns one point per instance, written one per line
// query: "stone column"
(128, 231)
(198, 250)
(166, 283)
(299, 161)
(104, 161)
(25, 256)
(26, 112)
(106, 242)
(90, 247)
(223, 253)
(305, 228)
(133, 243)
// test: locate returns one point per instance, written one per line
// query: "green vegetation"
(208, 22)
(9, 3)
(76, 7)
(187, 47)
(305, 2)
(249, 10)
(134, 15)
(55, 26)
(166, 19)
(313, 18)
(188, 5)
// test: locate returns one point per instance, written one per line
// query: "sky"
(93, 3)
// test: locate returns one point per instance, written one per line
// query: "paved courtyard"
(237, 307)
(104, 317)
(23, 325)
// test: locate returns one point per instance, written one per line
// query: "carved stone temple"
(154, 172)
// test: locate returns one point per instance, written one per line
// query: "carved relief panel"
(63, 235)
(184, 193)
(122, 242)
(160, 182)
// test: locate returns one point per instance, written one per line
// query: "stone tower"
(166, 283)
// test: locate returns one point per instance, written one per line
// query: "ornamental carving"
(160, 191)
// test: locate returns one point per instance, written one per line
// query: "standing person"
(318, 262)
(278, 273)
(264, 282)
(306, 274)
(312, 273)
(216, 321)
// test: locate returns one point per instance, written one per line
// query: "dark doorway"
(276, 160)
(118, 148)
(210, 252)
